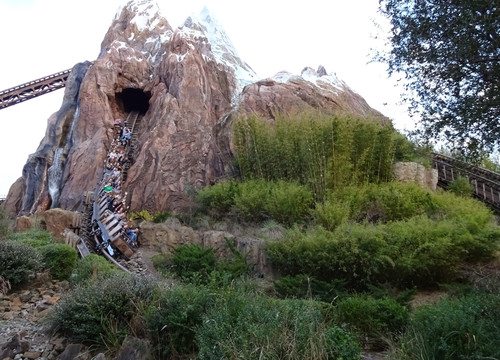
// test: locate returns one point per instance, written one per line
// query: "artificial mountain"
(190, 84)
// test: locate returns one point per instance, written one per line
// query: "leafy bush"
(173, 317)
(342, 344)
(248, 327)
(303, 286)
(461, 187)
(418, 252)
(162, 263)
(456, 328)
(4, 224)
(373, 317)
(86, 266)
(192, 261)
(60, 259)
(282, 201)
(288, 202)
(143, 214)
(161, 217)
(375, 203)
(330, 214)
(18, 262)
(36, 238)
(218, 199)
(87, 313)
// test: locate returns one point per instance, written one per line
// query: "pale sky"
(42, 37)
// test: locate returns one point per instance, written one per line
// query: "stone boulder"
(407, 172)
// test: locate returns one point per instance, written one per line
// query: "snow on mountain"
(222, 48)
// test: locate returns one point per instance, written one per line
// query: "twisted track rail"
(486, 183)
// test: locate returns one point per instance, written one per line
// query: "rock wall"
(412, 172)
(165, 237)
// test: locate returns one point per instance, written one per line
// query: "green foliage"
(192, 262)
(218, 199)
(248, 327)
(373, 317)
(162, 263)
(85, 267)
(195, 264)
(143, 214)
(282, 201)
(4, 224)
(374, 203)
(455, 328)
(18, 262)
(452, 84)
(321, 151)
(173, 317)
(461, 187)
(424, 241)
(60, 259)
(87, 313)
(237, 266)
(161, 217)
(341, 344)
(303, 286)
(36, 238)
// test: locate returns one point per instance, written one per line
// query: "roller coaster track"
(33, 89)
(486, 183)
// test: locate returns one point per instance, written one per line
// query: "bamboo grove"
(322, 151)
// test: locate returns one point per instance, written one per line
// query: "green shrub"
(192, 262)
(36, 238)
(285, 202)
(373, 317)
(461, 187)
(4, 224)
(457, 328)
(60, 259)
(249, 327)
(18, 262)
(173, 317)
(303, 286)
(236, 266)
(289, 202)
(87, 313)
(218, 199)
(143, 214)
(330, 214)
(161, 217)
(356, 254)
(85, 267)
(341, 344)
(252, 199)
(162, 263)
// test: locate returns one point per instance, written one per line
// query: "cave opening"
(133, 100)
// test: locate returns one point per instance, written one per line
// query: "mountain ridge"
(190, 83)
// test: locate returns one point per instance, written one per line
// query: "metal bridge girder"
(33, 89)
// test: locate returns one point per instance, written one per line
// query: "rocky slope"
(189, 83)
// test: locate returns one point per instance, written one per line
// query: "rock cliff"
(188, 83)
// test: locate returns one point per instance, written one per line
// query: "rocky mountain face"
(188, 83)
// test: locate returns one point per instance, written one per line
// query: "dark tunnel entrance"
(133, 100)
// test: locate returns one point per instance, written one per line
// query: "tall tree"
(449, 53)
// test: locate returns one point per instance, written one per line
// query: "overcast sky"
(41, 37)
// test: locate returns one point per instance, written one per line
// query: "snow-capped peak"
(222, 47)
